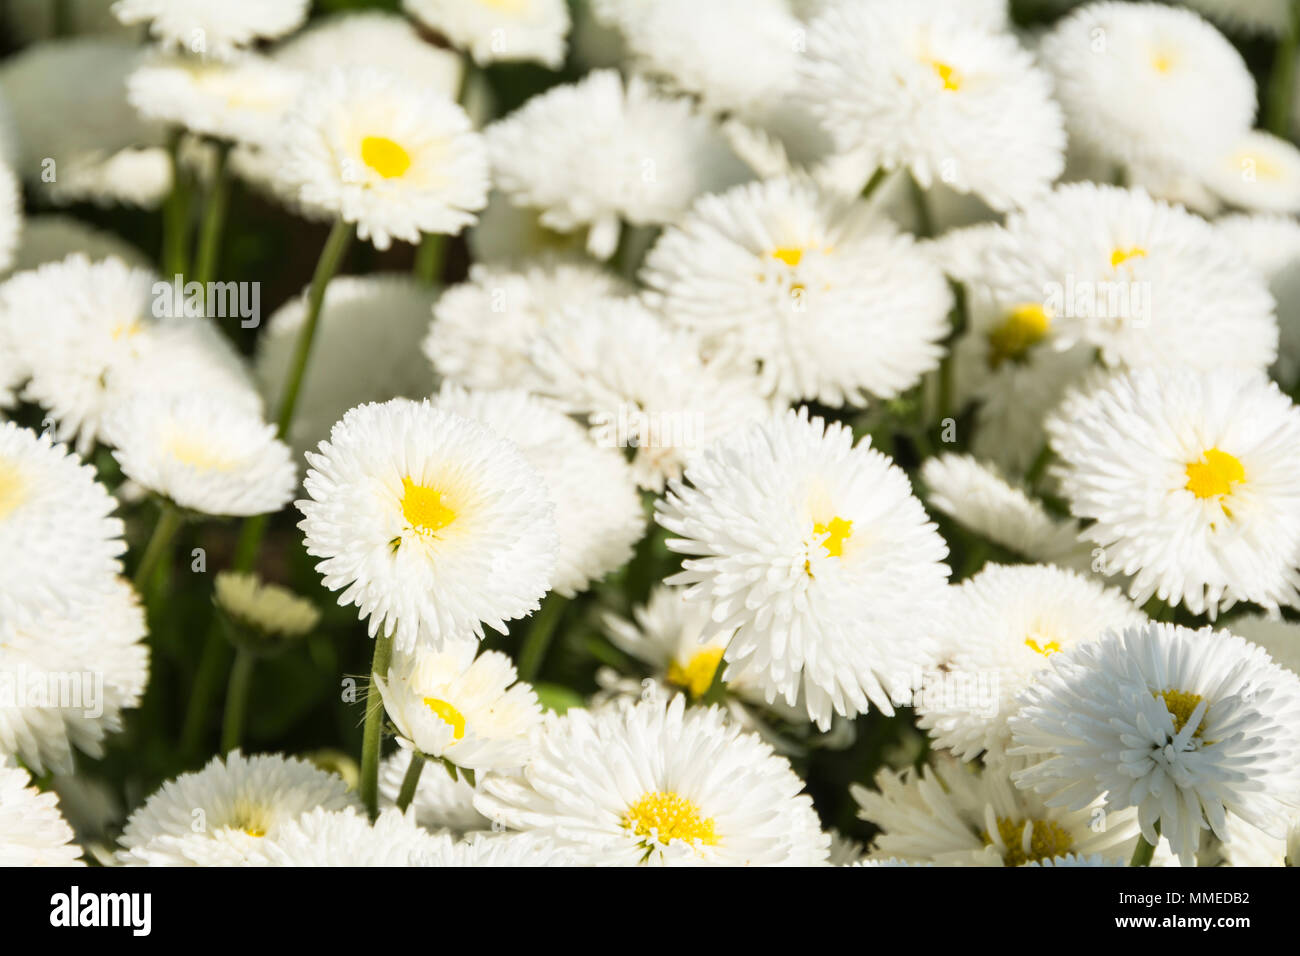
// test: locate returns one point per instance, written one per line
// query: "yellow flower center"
(190, 451)
(1051, 647)
(790, 255)
(947, 73)
(1120, 256)
(423, 508)
(384, 156)
(1163, 61)
(1024, 327)
(255, 831)
(506, 6)
(838, 531)
(448, 714)
(11, 489)
(664, 816)
(126, 330)
(1046, 840)
(697, 675)
(1263, 167)
(1215, 474)
(1181, 705)
(250, 819)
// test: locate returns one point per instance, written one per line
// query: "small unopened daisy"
(263, 607)
(1148, 84)
(324, 837)
(428, 522)
(851, 563)
(450, 705)
(1185, 726)
(656, 783)
(203, 455)
(60, 543)
(440, 802)
(806, 287)
(220, 815)
(1191, 481)
(951, 814)
(485, 329)
(213, 28)
(1003, 625)
(1259, 172)
(377, 150)
(913, 85)
(600, 152)
(495, 30)
(33, 831)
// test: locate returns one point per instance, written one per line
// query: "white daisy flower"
(1271, 243)
(244, 101)
(441, 802)
(1271, 17)
(1002, 626)
(1145, 282)
(1191, 481)
(213, 28)
(428, 522)
(1075, 859)
(1280, 638)
(11, 216)
(494, 30)
(951, 814)
(598, 512)
(598, 152)
(366, 349)
(202, 454)
(506, 233)
(50, 237)
(32, 829)
(806, 287)
(642, 384)
(510, 849)
(816, 553)
(485, 330)
(59, 542)
(657, 783)
(222, 814)
(67, 676)
(976, 496)
(1148, 84)
(1184, 725)
(263, 607)
(373, 149)
(324, 837)
(368, 38)
(913, 85)
(449, 705)
(1259, 172)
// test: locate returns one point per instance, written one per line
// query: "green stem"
(874, 182)
(176, 216)
(371, 736)
(336, 246)
(430, 257)
(169, 522)
(925, 224)
(241, 680)
(410, 782)
(539, 636)
(214, 218)
(207, 678)
(1282, 79)
(1144, 851)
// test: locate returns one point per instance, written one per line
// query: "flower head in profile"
(213, 28)
(499, 30)
(33, 831)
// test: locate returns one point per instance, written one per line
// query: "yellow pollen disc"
(190, 451)
(384, 156)
(1263, 167)
(697, 675)
(1120, 256)
(1051, 647)
(423, 507)
(1180, 705)
(1046, 840)
(1215, 475)
(255, 831)
(951, 78)
(839, 531)
(1163, 62)
(11, 489)
(448, 714)
(664, 816)
(1024, 327)
(126, 330)
(790, 255)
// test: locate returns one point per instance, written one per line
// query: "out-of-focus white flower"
(346, 837)
(49, 237)
(440, 802)
(213, 28)
(32, 830)
(262, 606)
(1271, 243)
(11, 216)
(1259, 172)
(495, 30)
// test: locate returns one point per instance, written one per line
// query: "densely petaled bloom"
(32, 830)
(374, 149)
(67, 675)
(1258, 172)
(1271, 243)
(1191, 481)
(1145, 282)
(263, 607)
(1148, 85)
(428, 522)
(819, 293)
(509, 849)
(916, 85)
(492, 30)
(816, 553)
(660, 784)
(221, 815)
(598, 152)
(598, 512)
(467, 710)
(323, 837)
(1001, 628)
(441, 802)
(215, 28)
(951, 814)
(1186, 726)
